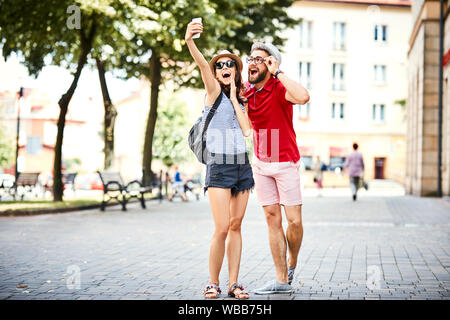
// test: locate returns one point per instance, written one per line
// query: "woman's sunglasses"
(229, 64)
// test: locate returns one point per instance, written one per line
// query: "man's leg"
(277, 241)
(294, 233)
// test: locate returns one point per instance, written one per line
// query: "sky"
(55, 80)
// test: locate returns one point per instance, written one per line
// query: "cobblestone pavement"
(377, 248)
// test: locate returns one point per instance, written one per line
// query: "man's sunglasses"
(255, 60)
(229, 64)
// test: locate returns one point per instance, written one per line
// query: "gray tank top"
(224, 135)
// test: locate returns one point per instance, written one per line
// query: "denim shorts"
(234, 175)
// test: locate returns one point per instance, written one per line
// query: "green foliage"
(159, 27)
(401, 102)
(7, 150)
(72, 163)
(170, 140)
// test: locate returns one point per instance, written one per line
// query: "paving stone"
(130, 255)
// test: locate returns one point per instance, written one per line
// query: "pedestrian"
(318, 175)
(178, 185)
(355, 167)
(229, 176)
(276, 161)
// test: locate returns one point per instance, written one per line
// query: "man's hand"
(272, 64)
(193, 28)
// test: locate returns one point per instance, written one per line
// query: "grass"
(44, 204)
(11, 206)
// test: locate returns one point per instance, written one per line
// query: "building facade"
(37, 131)
(423, 101)
(352, 56)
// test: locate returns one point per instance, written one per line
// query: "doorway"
(379, 168)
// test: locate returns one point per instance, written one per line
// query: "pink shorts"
(277, 182)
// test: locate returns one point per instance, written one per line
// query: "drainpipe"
(441, 49)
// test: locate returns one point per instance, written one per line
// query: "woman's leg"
(234, 240)
(219, 201)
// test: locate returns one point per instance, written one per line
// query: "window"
(305, 29)
(308, 162)
(379, 74)
(34, 145)
(380, 33)
(338, 77)
(337, 158)
(337, 111)
(339, 36)
(336, 162)
(303, 111)
(378, 112)
(305, 74)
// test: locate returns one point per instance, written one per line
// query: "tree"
(63, 33)
(228, 24)
(38, 29)
(169, 143)
(109, 117)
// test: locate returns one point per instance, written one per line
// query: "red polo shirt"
(274, 137)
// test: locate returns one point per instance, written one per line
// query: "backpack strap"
(208, 120)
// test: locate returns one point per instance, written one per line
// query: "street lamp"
(16, 173)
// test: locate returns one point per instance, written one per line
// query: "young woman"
(229, 176)
(318, 175)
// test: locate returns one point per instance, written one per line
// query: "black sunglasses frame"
(228, 63)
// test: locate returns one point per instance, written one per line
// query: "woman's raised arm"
(209, 80)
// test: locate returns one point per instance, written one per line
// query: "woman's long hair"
(239, 85)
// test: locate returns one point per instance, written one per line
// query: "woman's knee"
(235, 224)
(221, 231)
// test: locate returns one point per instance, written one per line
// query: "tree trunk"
(110, 116)
(86, 46)
(155, 79)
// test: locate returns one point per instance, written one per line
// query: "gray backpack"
(197, 136)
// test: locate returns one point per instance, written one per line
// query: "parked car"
(88, 181)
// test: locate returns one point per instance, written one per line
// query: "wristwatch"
(277, 73)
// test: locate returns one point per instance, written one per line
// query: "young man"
(276, 160)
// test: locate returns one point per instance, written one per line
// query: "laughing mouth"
(253, 72)
(226, 74)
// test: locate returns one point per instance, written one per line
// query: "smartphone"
(197, 35)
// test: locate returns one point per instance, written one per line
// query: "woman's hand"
(193, 28)
(232, 88)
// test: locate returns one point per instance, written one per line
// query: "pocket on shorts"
(296, 164)
(216, 172)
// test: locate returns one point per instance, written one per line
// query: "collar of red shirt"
(267, 87)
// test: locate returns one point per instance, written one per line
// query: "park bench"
(69, 180)
(26, 182)
(115, 188)
(6, 183)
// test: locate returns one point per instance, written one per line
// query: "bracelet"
(277, 73)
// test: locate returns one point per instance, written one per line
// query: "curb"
(33, 212)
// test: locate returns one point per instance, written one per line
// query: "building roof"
(397, 3)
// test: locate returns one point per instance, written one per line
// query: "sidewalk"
(399, 243)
